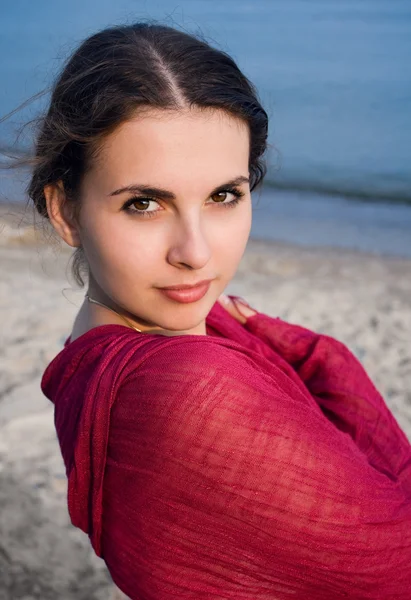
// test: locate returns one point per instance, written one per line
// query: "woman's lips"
(187, 295)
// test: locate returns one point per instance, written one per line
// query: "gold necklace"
(114, 311)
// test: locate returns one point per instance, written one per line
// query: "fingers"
(237, 307)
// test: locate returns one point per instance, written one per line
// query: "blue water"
(310, 219)
(334, 76)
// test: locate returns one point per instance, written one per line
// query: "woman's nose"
(190, 246)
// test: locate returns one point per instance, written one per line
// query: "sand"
(363, 300)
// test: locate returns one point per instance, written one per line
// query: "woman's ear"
(61, 214)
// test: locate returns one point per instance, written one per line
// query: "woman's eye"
(220, 196)
(141, 205)
(224, 197)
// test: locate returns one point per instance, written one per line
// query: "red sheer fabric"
(257, 462)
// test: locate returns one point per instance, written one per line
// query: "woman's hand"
(231, 307)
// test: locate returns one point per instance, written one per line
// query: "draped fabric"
(256, 462)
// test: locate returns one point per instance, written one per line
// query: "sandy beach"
(363, 300)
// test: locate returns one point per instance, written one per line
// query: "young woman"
(211, 451)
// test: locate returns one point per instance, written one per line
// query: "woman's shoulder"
(119, 351)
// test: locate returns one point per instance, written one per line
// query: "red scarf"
(257, 462)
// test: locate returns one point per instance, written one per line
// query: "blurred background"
(333, 76)
(330, 247)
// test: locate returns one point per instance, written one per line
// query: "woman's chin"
(183, 326)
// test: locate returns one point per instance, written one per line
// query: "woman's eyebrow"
(135, 188)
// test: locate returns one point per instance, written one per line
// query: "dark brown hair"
(111, 75)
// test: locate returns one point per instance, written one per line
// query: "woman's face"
(181, 220)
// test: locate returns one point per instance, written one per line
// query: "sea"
(333, 75)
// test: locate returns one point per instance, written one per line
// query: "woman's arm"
(340, 386)
(220, 484)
